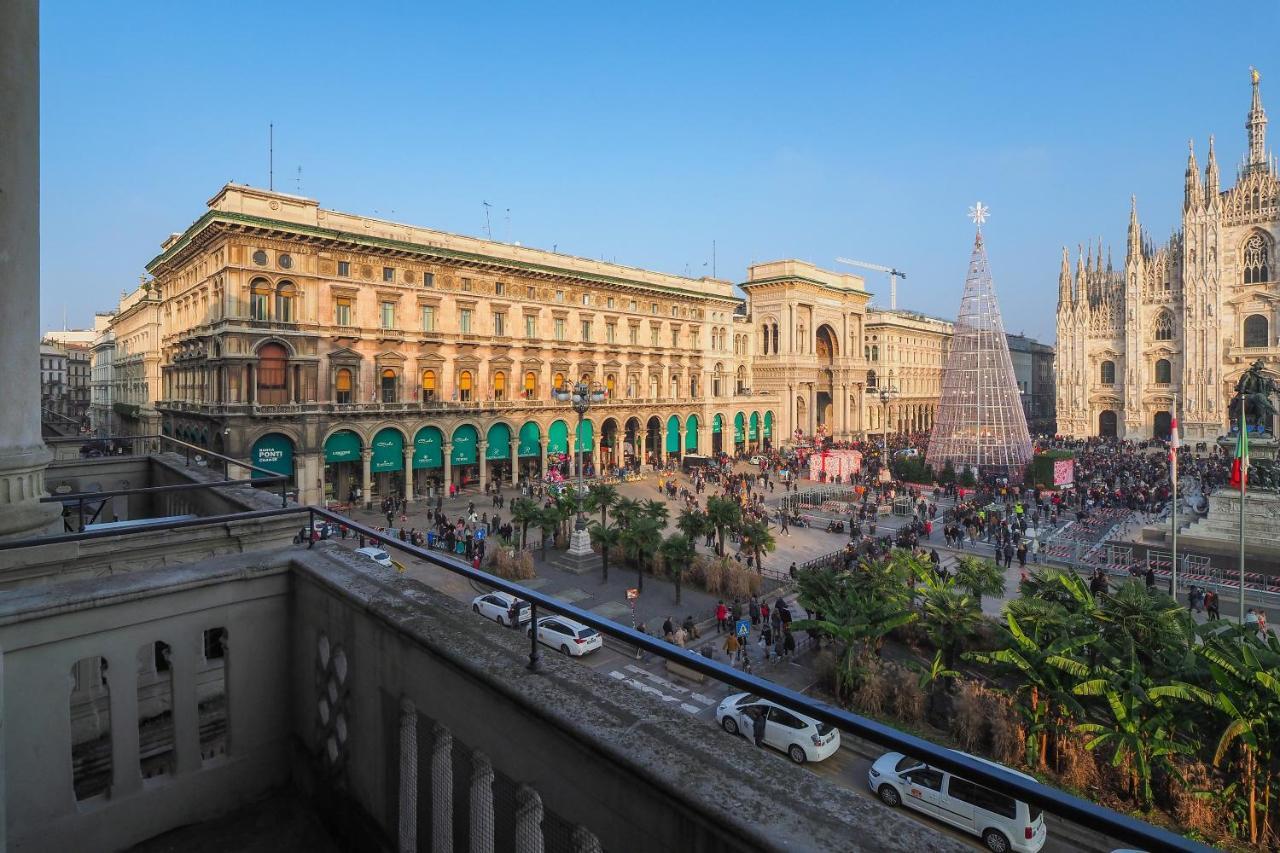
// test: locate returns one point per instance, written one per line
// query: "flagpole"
(1173, 507)
(1244, 484)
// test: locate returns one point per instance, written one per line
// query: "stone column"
(408, 473)
(23, 455)
(446, 450)
(528, 820)
(515, 460)
(408, 776)
(366, 457)
(482, 450)
(481, 803)
(680, 439)
(442, 791)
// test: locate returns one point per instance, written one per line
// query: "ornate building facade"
(1186, 318)
(905, 353)
(354, 352)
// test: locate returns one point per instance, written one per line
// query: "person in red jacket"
(722, 617)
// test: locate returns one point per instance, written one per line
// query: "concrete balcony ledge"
(428, 696)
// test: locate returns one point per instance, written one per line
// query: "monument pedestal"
(1218, 532)
(1261, 447)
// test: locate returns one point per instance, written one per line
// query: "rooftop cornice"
(199, 232)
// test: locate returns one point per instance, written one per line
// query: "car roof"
(997, 765)
(772, 704)
(568, 623)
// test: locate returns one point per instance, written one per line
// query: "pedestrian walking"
(722, 617)
(732, 648)
(757, 726)
(754, 610)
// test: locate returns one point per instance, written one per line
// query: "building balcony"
(402, 716)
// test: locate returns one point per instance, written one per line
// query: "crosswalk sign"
(742, 627)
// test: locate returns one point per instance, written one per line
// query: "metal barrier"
(816, 497)
(1059, 803)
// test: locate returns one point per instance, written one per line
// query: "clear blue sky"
(643, 133)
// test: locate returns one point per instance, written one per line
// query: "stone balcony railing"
(447, 406)
(406, 722)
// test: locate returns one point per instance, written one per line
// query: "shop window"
(285, 302)
(259, 300)
(273, 366)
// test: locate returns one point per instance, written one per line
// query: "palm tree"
(602, 496)
(677, 553)
(1151, 623)
(524, 512)
(626, 510)
(757, 541)
(606, 539)
(724, 514)
(639, 542)
(691, 523)
(548, 521)
(1134, 721)
(1046, 671)
(1247, 701)
(566, 506)
(951, 615)
(979, 577)
(657, 510)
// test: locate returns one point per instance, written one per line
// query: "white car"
(757, 460)
(379, 556)
(801, 738)
(1002, 822)
(569, 637)
(503, 608)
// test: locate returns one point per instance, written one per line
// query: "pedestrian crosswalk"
(689, 701)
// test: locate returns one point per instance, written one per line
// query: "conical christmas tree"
(980, 425)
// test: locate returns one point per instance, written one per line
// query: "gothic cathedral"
(1183, 320)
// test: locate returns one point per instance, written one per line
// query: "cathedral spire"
(1211, 176)
(1257, 126)
(1191, 196)
(1064, 281)
(1135, 231)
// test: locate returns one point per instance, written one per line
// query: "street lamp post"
(581, 395)
(886, 393)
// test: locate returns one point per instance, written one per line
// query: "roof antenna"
(487, 229)
(271, 156)
(508, 234)
(299, 180)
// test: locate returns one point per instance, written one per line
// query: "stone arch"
(1256, 252)
(826, 344)
(1108, 423)
(273, 339)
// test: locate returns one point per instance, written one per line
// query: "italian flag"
(1240, 466)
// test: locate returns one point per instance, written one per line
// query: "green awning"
(755, 426)
(464, 445)
(717, 424)
(530, 440)
(558, 438)
(499, 439)
(739, 428)
(428, 448)
(586, 437)
(388, 451)
(342, 446)
(691, 434)
(275, 453)
(673, 434)
(768, 424)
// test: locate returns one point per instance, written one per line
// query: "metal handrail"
(267, 478)
(1059, 803)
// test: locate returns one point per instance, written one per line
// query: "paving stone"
(573, 595)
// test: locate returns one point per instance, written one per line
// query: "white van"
(1002, 822)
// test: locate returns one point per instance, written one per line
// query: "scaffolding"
(980, 425)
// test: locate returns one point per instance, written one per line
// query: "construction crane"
(894, 275)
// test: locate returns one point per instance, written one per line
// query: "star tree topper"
(979, 213)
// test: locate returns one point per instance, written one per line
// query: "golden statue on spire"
(1253, 73)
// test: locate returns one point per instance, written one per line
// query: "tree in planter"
(725, 514)
(1246, 702)
(657, 510)
(757, 541)
(548, 521)
(606, 539)
(1047, 672)
(677, 553)
(692, 524)
(979, 577)
(626, 511)
(602, 497)
(639, 543)
(948, 474)
(1134, 721)
(524, 513)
